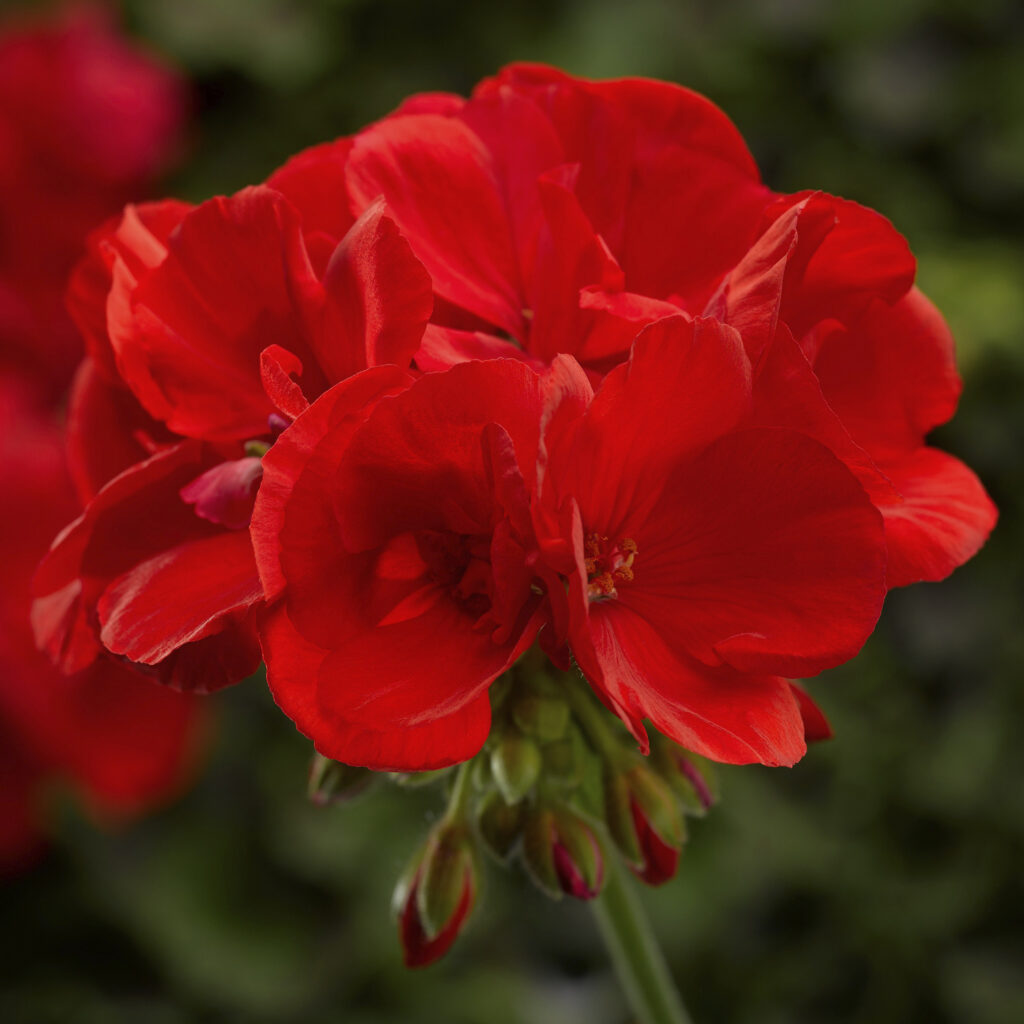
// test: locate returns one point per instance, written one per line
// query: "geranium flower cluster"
(545, 368)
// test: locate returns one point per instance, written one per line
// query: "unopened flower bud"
(562, 853)
(435, 896)
(515, 763)
(499, 824)
(331, 782)
(644, 820)
(691, 777)
(542, 716)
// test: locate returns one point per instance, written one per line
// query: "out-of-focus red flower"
(209, 330)
(121, 742)
(87, 121)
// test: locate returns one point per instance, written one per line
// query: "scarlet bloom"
(394, 544)
(121, 742)
(208, 330)
(87, 122)
(706, 568)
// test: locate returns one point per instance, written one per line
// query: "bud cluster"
(559, 787)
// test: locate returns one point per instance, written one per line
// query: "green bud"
(500, 825)
(618, 812)
(515, 764)
(562, 852)
(564, 759)
(332, 782)
(541, 716)
(538, 851)
(692, 778)
(654, 802)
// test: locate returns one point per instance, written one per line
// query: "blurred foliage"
(879, 881)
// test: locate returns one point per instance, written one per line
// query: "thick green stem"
(638, 959)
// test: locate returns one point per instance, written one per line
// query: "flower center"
(459, 564)
(608, 564)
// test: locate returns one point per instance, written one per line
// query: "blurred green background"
(882, 880)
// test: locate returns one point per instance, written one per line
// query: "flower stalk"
(635, 953)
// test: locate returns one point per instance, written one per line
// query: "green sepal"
(448, 867)
(542, 716)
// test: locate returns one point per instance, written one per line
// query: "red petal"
(444, 347)
(570, 256)
(763, 552)
(313, 181)
(863, 258)
(107, 431)
(943, 520)
(750, 298)
(225, 493)
(719, 713)
(787, 394)
(293, 670)
(816, 727)
(686, 383)
(134, 517)
(378, 299)
(892, 377)
(181, 595)
(523, 146)
(236, 280)
(138, 237)
(440, 186)
(418, 463)
(279, 369)
(346, 403)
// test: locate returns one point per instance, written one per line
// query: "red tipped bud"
(645, 822)
(563, 853)
(435, 897)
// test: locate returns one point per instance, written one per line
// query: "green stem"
(458, 801)
(592, 719)
(638, 959)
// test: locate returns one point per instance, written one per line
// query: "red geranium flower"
(208, 330)
(704, 568)
(397, 545)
